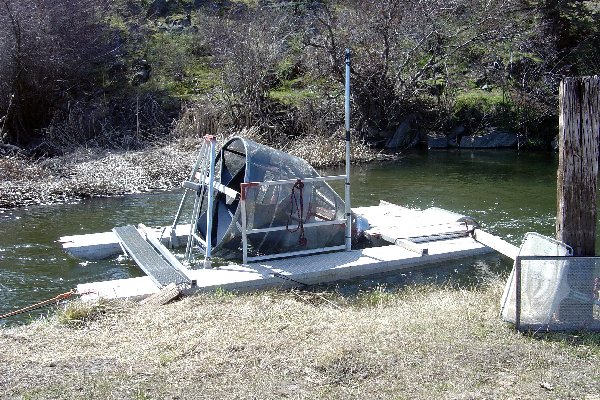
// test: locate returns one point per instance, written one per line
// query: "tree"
(409, 54)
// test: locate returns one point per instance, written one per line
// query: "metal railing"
(244, 187)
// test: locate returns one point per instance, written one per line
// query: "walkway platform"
(294, 272)
(407, 240)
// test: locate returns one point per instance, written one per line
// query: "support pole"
(348, 209)
(211, 191)
(577, 184)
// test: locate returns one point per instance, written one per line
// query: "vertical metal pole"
(518, 293)
(173, 237)
(243, 188)
(197, 203)
(348, 209)
(211, 190)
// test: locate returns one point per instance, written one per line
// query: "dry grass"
(418, 343)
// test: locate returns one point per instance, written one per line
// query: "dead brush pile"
(89, 172)
(92, 172)
(417, 343)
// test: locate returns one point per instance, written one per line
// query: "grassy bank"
(417, 343)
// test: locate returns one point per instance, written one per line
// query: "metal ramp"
(153, 264)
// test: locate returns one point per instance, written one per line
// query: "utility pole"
(577, 185)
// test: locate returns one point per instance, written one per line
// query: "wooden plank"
(166, 294)
(412, 246)
(496, 243)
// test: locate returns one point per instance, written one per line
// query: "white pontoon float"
(283, 226)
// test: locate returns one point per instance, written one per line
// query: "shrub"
(48, 51)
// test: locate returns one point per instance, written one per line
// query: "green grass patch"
(480, 108)
(290, 94)
(177, 66)
(77, 313)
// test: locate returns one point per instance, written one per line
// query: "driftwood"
(166, 294)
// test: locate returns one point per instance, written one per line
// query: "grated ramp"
(156, 267)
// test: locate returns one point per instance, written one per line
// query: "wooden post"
(579, 136)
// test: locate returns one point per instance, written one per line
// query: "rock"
(177, 24)
(491, 140)
(403, 135)
(437, 142)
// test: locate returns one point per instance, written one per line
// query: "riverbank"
(416, 342)
(96, 172)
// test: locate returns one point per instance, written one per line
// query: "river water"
(509, 193)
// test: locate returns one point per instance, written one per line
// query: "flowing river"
(509, 193)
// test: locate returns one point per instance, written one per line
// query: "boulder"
(491, 140)
(437, 142)
(177, 24)
(403, 135)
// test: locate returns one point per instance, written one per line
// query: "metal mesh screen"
(549, 290)
(242, 160)
(285, 206)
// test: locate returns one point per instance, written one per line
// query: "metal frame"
(518, 270)
(245, 231)
(347, 207)
(205, 164)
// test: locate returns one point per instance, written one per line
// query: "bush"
(49, 49)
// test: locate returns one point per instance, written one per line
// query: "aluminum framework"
(246, 231)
